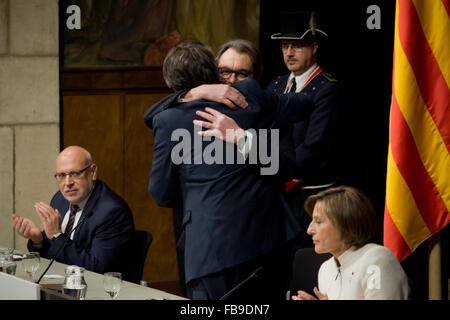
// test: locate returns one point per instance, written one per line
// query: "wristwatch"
(56, 235)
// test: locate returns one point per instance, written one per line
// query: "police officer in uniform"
(315, 137)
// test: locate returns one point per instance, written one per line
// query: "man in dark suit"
(103, 241)
(315, 138)
(236, 60)
(235, 219)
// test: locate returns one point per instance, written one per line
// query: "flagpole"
(434, 267)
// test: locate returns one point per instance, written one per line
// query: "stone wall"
(29, 110)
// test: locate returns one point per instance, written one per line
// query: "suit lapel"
(90, 204)
(62, 206)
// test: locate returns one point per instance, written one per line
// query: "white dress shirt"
(77, 217)
(301, 79)
(371, 272)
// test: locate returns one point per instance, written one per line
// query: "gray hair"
(244, 46)
(188, 65)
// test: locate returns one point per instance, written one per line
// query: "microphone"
(88, 215)
(255, 274)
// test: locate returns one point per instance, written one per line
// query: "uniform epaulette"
(329, 77)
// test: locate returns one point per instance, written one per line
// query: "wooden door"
(102, 111)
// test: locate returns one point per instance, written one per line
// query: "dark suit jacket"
(104, 242)
(315, 137)
(231, 213)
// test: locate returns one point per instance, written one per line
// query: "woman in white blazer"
(344, 223)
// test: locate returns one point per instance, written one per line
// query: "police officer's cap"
(300, 25)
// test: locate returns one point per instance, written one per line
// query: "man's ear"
(315, 46)
(94, 169)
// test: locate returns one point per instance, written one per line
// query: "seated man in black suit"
(103, 241)
(235, 219)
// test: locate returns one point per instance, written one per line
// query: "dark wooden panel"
(95, 122)
(102, 110)
(112, 78)
(161, 264)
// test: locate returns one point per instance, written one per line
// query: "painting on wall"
(141, 32)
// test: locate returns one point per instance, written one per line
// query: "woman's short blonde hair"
(350, 211)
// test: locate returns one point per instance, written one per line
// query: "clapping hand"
(27, 229)
(50, 218)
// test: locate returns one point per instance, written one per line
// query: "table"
(129, 291)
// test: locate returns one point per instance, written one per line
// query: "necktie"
(73, 212)
(293, 85)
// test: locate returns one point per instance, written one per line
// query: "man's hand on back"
(222, 93)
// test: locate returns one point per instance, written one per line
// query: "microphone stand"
(255, 274)
(64, 244)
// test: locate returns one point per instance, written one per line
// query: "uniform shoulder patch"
(329, 77)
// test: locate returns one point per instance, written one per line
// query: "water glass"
(74, 283)
(112, 282)
(6, 251)
(31, 262)
(7, 263)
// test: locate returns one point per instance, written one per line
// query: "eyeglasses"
(72, 174)
(296, 46)
(240, 74)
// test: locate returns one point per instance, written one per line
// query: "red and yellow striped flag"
(418, 167)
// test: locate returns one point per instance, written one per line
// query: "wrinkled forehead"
(235, 60)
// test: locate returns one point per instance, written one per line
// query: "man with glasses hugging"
(103, 240)
(315, 138)
(237, 60)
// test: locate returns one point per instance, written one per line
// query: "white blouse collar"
(346, 258)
